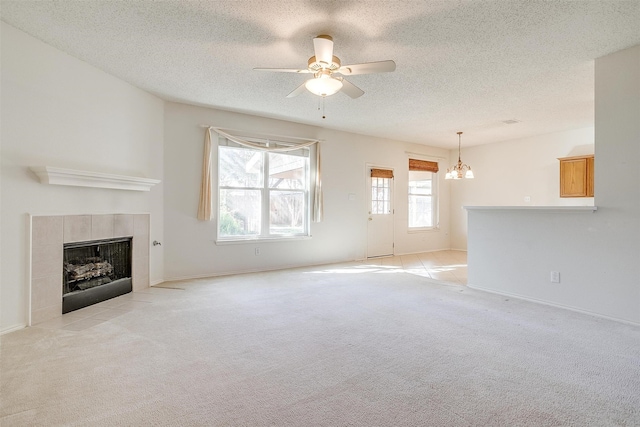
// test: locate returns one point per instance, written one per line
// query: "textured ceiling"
(461, 65)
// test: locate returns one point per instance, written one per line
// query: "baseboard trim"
(553, 304)
(256, 270)
(423, 252)
(13, 328)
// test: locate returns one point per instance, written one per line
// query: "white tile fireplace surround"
(50, 233)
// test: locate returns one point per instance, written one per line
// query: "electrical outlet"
(555, 277)
(527, 199)
(257, 251)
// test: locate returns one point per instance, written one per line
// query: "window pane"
(420, 211)
(420, 187)
(380, 196)
(287, 172)
(287, 212)
(240, 167)
(421, 192)
(239, 212)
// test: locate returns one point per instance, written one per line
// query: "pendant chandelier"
(459, 170)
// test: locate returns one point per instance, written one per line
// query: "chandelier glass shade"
(323, 84)
(459, 170)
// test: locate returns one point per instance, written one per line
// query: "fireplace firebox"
(95, 271)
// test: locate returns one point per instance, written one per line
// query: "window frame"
(435, 198)
(265, 197)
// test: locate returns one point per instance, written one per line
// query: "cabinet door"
(574, 178)
(590, 176)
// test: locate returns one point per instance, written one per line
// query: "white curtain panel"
(205, 206)
(318, 204)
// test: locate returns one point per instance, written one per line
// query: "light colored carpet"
(345, 345)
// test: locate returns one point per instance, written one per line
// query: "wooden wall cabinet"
(576, 176)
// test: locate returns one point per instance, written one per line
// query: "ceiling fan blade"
(283, 70)
(367, 68)
(323, 47)
(350, 89)
(297, 91)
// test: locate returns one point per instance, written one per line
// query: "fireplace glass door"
(95, 271)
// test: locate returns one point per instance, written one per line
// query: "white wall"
(190, 250)
(59, 111)
(597, 254)
(508, 171)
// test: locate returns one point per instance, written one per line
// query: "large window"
(262, 194)
(423, 212)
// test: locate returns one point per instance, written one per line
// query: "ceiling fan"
(328, 72)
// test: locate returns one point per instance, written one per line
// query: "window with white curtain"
(262, 194)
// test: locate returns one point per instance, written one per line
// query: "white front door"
(380, 212)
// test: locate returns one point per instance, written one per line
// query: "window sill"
(423, 230)
(254, 240)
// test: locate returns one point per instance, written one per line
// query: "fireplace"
(51, 234)
(95, 271)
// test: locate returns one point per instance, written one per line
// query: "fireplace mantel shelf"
(60, 176)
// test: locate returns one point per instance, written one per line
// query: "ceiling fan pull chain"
(321, 106)
(323, 116)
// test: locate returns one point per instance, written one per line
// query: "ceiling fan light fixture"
(314, 65)
(323, 84)
(324, 64)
